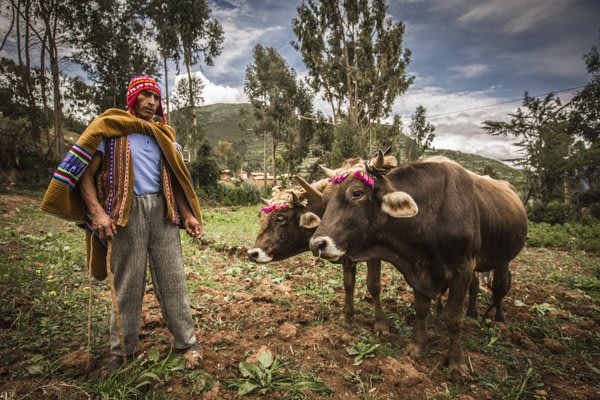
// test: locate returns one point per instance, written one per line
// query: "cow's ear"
(399, 205)
(309, 220)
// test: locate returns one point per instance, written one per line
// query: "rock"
(554, 345)
(287, 331)
(541, 393)
(401, 374)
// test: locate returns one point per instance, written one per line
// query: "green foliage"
(267, 376)
(15, 142)
(553, 212)
(347, 143)
(279, 100)
(142, 378)
(366, 387)
(354, 55)
(421, 135)
(228, 195)
(573, 235)
(361, 350)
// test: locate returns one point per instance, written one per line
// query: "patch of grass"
(231, 226)
(366, 388)
(511, 388)
(141, 379)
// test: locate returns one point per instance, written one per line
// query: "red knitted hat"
(138, 84)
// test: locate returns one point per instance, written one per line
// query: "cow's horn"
(267, 202)
(295, 198)
(378, 161)
(329, 172)
(387, 151)
(311, 190)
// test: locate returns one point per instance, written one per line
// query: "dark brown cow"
(435, 221)
(287, 223)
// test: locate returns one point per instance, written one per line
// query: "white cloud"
(214, 93)
(458, 117)
(469, 71)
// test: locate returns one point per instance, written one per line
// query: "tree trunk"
(265, 159)
(273, 149)
(43, 92)
(58, 119)
(166, 96)
(193, 107)
(32, 109)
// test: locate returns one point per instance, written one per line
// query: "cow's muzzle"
(258, 255)
(324, 247)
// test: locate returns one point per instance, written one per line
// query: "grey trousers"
(149, 236)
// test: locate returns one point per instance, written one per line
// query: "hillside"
(221, 123)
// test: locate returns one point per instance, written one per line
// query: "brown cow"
(288, 222)
(435, 221)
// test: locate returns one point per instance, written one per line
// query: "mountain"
(221, 122)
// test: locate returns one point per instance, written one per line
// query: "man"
(126, 181)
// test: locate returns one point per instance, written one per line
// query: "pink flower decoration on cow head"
(273, 207)
(364, 177)
(340, 178)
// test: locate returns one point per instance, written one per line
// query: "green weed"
(361, 351)
(508, 388)
(269, 376)
(366, 389)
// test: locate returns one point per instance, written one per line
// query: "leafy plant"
(361, 351)
(267, 376)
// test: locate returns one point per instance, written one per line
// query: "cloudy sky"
(467, 56)
(472, 59)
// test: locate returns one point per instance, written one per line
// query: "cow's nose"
(318, 245)
(253, 254)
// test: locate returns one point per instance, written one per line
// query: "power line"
(503, 102)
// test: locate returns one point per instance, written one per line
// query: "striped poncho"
(115, 180)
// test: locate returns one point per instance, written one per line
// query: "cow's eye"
(357, 194)
(279, 219)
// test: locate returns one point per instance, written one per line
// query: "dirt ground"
(551, 328)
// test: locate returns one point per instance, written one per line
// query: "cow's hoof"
(459, 374)
(414, 351)
(381, 328)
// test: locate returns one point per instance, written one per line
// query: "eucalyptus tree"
(584, 127)
(421, 134)
(112, 46)
(541, 128)
(199, 38)
(355, 58)
(282, 106)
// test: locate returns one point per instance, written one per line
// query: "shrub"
(552, 213)
(227, 194)
(572, 236)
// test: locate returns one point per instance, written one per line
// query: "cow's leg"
(473, 293)
(453, 314)
(422, 304)
(501, 283)
(374, 286)
(349, 282)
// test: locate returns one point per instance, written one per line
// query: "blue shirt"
(146, 156)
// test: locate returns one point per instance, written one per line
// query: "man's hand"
(104, 227)
(192, 226)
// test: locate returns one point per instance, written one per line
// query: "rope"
(113, 293)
